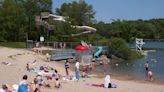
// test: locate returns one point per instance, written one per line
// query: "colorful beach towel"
(113, 85)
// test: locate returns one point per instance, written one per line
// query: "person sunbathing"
(107, 83)
(40, 80)
(6, 63)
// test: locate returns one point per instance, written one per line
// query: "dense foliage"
(17, 18)
(129, 30)
(17, 23)
(78, 13)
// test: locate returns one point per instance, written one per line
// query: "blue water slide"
(96, 54)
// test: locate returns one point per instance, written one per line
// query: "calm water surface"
(135, 69)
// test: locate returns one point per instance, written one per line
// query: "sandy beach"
(18, 58)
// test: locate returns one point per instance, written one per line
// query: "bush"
(119, 48)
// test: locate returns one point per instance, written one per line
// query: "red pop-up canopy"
(80, 47)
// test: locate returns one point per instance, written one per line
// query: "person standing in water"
(105, 62)
(146, 68)
(150, 75)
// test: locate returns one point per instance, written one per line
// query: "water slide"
(86, 30)
(96, 54)
(45, 15)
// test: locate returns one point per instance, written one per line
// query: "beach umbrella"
(81, 48)
(81, 51)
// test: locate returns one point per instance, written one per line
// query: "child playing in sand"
(57, 83)
(28, 67)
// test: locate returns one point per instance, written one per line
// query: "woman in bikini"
(67, 69)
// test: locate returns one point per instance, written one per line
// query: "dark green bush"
(119, 48)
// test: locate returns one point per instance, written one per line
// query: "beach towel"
(113, 85)
(95, 85)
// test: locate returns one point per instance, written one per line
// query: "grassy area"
(13, 44)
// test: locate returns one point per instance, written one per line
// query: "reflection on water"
(136, 68)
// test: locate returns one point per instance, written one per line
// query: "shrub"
(119, 48)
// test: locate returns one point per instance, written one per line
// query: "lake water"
(135, 69)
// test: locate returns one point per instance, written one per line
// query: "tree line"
(17, 23)
(17, 19)
(129, 30)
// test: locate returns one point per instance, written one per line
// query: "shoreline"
(117, 76)
(13, 74)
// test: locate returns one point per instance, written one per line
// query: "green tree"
(78, 13)
(118, 47)
(17, 17)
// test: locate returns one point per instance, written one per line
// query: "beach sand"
(12, 74)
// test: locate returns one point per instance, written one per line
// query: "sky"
(107, 10)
